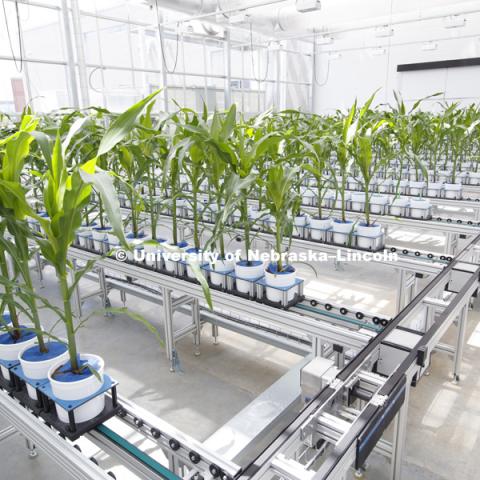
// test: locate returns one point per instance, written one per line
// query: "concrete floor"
(444, 419)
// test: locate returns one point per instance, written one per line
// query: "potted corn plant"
(318, 153)
(27, 342)
(250, 144)
(346, 131)
(369, 130)
(66, 191)
(282, 199)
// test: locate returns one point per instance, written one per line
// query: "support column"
(103, 288)
(72, 84)
(32, 451)
(168, 326)
(196, 322)
(401, 290)
(228, 70)
(215, 333)
(461, 329)
(399, 434)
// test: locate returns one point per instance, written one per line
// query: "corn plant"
(66, 192)
(282, 200)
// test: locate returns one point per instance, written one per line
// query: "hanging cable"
(162, 46)
(253, 62)
(19, 66)
(315, 64)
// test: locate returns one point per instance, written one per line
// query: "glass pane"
(13, 91)
(42, 33)
(114, 43)
(91, 39)
(49, 86)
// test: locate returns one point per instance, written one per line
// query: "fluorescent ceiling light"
(240, 17)
(378, 51)
(384, 31)
(324, 40)
(304, 6)
(454, 21)
(428, 46)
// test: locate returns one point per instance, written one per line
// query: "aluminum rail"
(60, 451)
(302, 324)
(344, 453)
(418, 264)
(385, 219)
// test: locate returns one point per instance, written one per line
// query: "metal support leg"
(168, 326)
(104, 290)
(196, 321)
(215, 334)
(401, 290)
(398, 443)
(461, 329)
(39, 266)
(32, 451)
(318, 347)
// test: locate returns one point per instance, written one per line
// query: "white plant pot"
(76, 390)
(367, 235)
(286, 279)
(222, 267)
(136, 243)
(170, 264)
(453, 190)
(308, 197)
(377, 203)
(419, 208)
(474, 178)
(385, 186)
(434, 189)
(38, 369)
(194, 258)
(444, 175)
(99, 236)
(270, 222)
(112, 240)
(342, 231)
(243, 273)
(255, 214)
(83, 235)
(352, 183)
(358, 201)
(9, 351)
(338, 203)
(153, 251)
(299, 223)
(398, 206)
(416, 188)
(319, 226)
(402, 186)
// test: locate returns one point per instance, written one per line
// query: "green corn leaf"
(123, 124)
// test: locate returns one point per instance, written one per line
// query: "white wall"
(358, 72)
